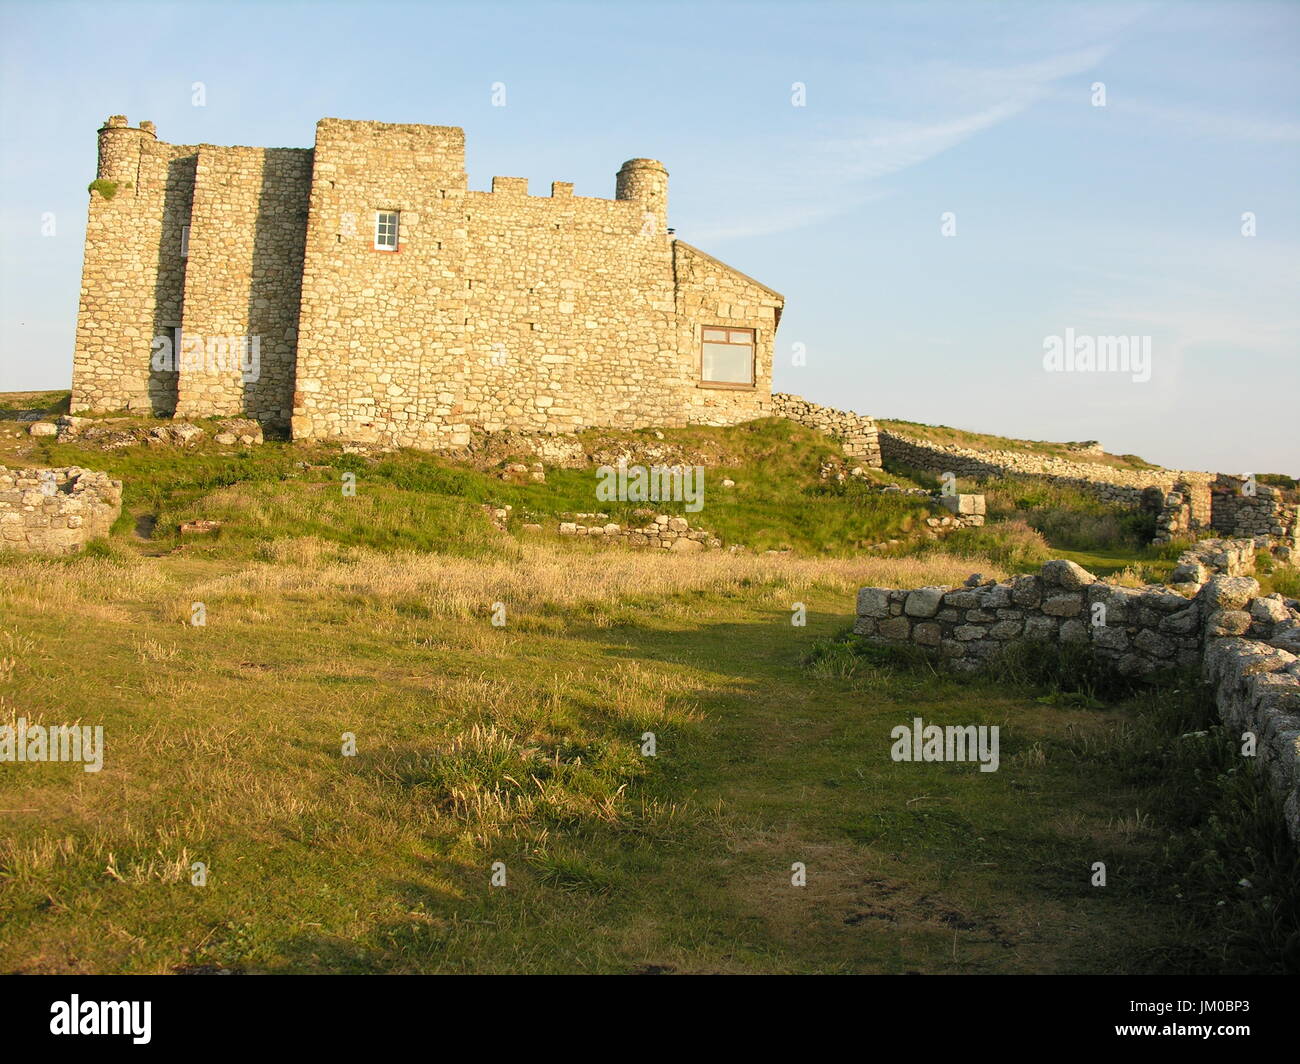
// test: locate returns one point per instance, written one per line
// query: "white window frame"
(381, 226)
(185, 241)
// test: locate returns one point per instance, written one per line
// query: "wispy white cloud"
(834, 171)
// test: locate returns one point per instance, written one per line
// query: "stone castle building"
(360, 290)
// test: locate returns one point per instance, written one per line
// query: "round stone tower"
(645, 181)
(119, 149)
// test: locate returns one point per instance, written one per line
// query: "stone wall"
(1184, 503)
(242, 280)
(661, 530)
(1257, 690)
(1212, 618)
(56, 511)
(1109, 483)
(534, 313)
(1265, 513)
(497, 311)
(856, 433)
(1139, 630)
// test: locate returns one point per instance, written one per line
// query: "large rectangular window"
(727, 355)
(386, 230)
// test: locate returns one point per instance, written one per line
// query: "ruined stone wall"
(1212, 618)
(1137, 629)
(132, 272)
(1184, 503)
(1257, 691)
(670, 532)
(56, 511)
(1105, 482)
(856, 433)
(1265, 513)
(248, 226)
(500, 310)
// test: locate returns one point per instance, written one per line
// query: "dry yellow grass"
(543, 575)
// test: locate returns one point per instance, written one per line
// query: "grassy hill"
(982, 441)
(372, 616)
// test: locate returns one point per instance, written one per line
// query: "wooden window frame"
(753, 361)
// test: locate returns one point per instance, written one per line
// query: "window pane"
(742, 336)
(716, 334)
(728, 364)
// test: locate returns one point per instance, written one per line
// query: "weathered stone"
(1040, 628)
(1182, 622)
(1067, 605)
(1153, 645)
(1073, 631)
(1110, 638)
(1271, 609)
(1007, 629)
(926, 634)
(873, 602)
(1226, 622)
(1228, 592)
(1066, 574)
(924, 602)
(1026, 591)
(895, 628)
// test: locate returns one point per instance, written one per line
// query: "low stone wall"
(1103, 481)
(856, 433)
(1257, 691)
(1212, 557)
(1183, 502)
(662, 530)
(56, 511)
(1213, 618)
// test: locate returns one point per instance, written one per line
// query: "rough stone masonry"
(1210, 617)
(56, 511)
(359, 290)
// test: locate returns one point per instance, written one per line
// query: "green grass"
(522, 745)
(1276, 578)
(370, 615)
(48, 404)
(417, 501)
(1225, 872)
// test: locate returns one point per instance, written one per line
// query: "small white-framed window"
(185, 241)
(386, 230)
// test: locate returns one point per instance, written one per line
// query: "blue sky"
(1123, 219)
